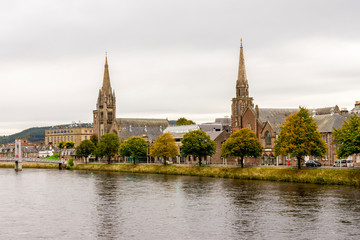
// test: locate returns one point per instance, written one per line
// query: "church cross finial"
(241, 42)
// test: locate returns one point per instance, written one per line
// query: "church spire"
(106, 88)
(242, 79)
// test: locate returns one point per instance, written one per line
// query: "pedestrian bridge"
(18, 161)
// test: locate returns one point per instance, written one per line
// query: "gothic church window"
(268, 138)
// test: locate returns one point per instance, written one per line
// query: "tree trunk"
(109, 159)
(299, 162)
(242, 162)
(164, 159)
(134, 160)
(199, 161)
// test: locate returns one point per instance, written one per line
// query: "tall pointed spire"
(106, 88)
(242, 79)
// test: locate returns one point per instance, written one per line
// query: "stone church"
(266, 122)
(105, 120)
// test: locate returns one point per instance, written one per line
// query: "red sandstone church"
(266, 122)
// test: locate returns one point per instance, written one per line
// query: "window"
(268, 138)
(85, 137)
(72, 138)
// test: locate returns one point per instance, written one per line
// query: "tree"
(124, 149)
(240, 144)
(67, 144)
(108, 145)
(347, 137)
(85, 148)
(95, 139)
(164, 146)
(299, 137)
(197, 143)
(135, 147)
(184, 121)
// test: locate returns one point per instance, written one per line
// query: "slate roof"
(327, 123)
(208, 127)
(213, 135)
(325, 110)
(139, 127)
(275, 116)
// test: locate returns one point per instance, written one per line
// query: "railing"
(42, 160)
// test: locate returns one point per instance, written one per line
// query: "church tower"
(242, 99)
(105, 114)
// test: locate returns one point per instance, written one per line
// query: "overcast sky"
(169, 59)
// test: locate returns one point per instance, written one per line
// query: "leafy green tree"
(108, 145)
(164, 146)
(240, 144)
(299, 137)
(197, 143)
(184, 121)
(66, 144)
(135, 147)
(124, 149)
(95, 139)
(85, 148)
(347, 137)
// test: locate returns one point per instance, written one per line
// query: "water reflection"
(138, 206)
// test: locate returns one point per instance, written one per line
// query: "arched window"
(268, 138)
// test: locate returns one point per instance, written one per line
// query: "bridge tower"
(18, 158)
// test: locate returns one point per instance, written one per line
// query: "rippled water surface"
(52, 204)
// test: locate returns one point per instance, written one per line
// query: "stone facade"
(75, 132)
(105, 121)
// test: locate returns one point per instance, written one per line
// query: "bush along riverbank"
(317, 176)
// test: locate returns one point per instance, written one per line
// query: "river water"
(53, 204)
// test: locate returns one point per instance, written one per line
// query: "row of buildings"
(265, 122)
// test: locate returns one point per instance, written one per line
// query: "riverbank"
(349, 177)
(31, 165)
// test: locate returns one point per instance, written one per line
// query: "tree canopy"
(240, 144)
(183, 121)
(347, 137)
(299, 137)
(164, 146)
(197, 143)
(108, 145)
(85, 148)
(135, 147)
(95, 139)
(66, 144)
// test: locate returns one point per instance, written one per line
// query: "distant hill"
(35, 134)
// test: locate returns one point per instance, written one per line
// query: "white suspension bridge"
(18, 159)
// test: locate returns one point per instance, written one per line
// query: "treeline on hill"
(35, 134)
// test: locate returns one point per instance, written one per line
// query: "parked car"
(312, 163)
(342, 163)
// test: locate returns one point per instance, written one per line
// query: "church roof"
(275, 116)
(139, 127)
(327, 123)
